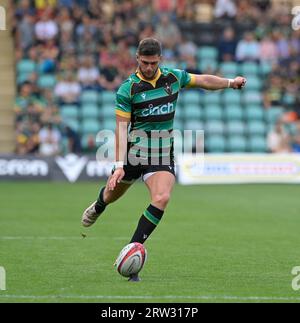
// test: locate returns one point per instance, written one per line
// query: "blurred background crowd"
(71, 55)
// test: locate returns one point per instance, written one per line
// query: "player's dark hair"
(149, 47)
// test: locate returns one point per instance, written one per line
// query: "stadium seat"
(236, 144)
(46, 81)
(89, 96)
(69, 111)
(288, 99)
(235, 127)
(254, 112)
(90, 126)
(107, 111)
(109, 124)
(215, 144)
(249, 68)
(231, 97)
(73, 124)
(207, 64)
(90, 111)
(193, 125)
(213, 112)
(252, 97)
(291, 128)
(257, 144)
(190, 97)
(265, 68)
(207, 52)
(214, 127)
(22, 77)
(26, 66)
(256, 128)
(178, 124)
(212, 98)
(233, 112)
(229, 69)
(133, 50)
(253, 83)
(272, 114)
(192, 112)
(108, 97)
(179, 112)
(169, 64)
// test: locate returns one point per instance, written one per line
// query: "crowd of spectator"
(90, 44)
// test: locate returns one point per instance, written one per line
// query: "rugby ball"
(131, 259)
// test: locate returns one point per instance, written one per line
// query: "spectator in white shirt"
(49, 138)
(225, 8)
(88, 73)
(46, 28)
(187, 48)
(248, 48)
(278, 140)
(67, 90)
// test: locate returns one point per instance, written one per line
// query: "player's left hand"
(115, 178)
(239, 82)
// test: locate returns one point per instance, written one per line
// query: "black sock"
(147, 223)
(100, 204)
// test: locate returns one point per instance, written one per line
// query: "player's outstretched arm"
(212, 82)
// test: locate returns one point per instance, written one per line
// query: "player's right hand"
(239, 82)
(116, 178)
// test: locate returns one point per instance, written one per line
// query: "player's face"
(148, 65)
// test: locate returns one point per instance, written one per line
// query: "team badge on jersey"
(168, 88)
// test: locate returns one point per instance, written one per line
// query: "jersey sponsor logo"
(158, 110)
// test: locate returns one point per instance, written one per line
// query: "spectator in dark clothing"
(74, 144)
(227, 45)
(109, 76)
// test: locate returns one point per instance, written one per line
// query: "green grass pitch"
(235, 243)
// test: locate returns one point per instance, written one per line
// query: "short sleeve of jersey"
(183, 77)
(123, 100)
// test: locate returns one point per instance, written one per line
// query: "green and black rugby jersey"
(151, 107)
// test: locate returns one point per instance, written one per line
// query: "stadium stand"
(7, 89)
(72, 55)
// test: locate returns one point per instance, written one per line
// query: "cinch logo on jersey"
(158, 110)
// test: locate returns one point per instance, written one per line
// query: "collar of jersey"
(153, 81)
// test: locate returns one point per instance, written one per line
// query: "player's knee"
(161, 199)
